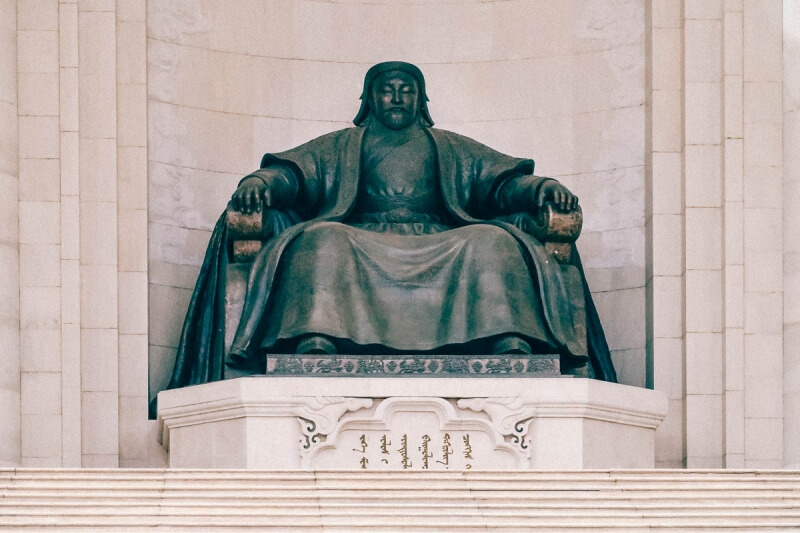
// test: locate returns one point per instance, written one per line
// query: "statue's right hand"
(251, 195)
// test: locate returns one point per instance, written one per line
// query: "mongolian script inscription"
(448, 451)
(411, 433)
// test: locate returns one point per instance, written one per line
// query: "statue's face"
(395, 99)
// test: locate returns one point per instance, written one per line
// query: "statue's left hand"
(250, 195)
(555, 192)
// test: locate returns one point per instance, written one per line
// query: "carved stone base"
(390, 423)
(405, 365)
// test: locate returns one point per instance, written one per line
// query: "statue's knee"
(491, 242)
(510, 344)
(316, 344)
(327, 239)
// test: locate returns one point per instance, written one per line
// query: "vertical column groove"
(791, 232)
(40, 280)
(703, 260)
(665, 243)
(99, 331)
(10, 414)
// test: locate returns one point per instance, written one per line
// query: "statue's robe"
(477, 185)
(398, 273)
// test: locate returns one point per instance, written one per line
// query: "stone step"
(406, 494)
(380, 496)
(370, 494)
(686, 492)
(355, 510)
(386, 528)
(460, 477)
(354, 501)
(438, 522)
(337, 476)
(455, 480)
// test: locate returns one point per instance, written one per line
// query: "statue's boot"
(510, 344)
(316, 344)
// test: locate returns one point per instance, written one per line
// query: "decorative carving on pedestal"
(511, 417)
(322, 415)
(404, 365)
(422, 433)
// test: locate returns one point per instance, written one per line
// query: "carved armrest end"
(552, 225)
(248, 232)
(245, 233)
(556, 229)
(245, 251)
(242, 226)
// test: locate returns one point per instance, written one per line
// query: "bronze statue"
(394, 236)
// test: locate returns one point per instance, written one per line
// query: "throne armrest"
(552, 225)
(556, 229)
(246, 233)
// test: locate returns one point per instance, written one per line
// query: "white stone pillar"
(134, 435)
(665, 242)
(791, 232)
(763, 235)
(703, 259)
(39, 232)
(9, 241)
(70, 238)
(97, 86)
(733, 202)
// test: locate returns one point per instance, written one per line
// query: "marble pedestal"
(288, 423)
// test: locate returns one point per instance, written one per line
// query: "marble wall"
(126, 125)
(560, 81)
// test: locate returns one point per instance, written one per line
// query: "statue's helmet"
(388, 66)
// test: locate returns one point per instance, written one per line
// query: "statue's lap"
(405, 291)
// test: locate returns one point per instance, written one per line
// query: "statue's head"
(394, 93)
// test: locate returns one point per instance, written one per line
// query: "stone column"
(9, 241)
(38, 113)
(97, 142)
(703, 260)
(70, 238)
(135, 438)
(665, 242)
(733, 202)
(791, 232)
(762, 68)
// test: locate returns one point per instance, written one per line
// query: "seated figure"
(393, 236)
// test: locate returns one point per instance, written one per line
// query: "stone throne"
(247, 233)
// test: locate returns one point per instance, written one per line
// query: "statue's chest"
(399, 168)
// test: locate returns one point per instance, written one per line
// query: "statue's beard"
(397, 118)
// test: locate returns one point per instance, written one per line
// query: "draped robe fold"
(328, 168)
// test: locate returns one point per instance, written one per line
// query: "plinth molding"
(315, 422)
